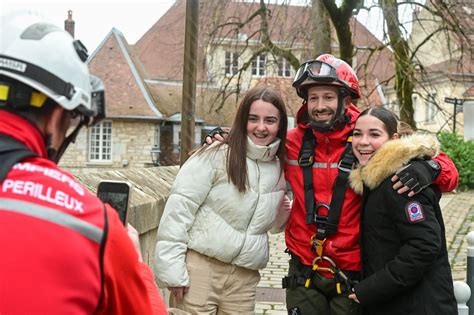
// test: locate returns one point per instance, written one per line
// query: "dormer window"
(284, 67)
(258, 65)
(231, 63)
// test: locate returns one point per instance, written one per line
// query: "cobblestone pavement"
(458, 214)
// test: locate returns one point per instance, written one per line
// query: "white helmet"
(48, 59)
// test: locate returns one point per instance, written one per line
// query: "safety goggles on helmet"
(315, 70)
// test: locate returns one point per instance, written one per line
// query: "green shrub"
(462, 154)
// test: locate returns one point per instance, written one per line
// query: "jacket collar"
(390, 158)
(262, 153)
(22, 130)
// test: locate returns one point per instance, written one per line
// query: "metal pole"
(470, 269)
(189, 79)
(454, 114)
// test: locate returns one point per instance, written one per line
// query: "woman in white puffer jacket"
(212, 238)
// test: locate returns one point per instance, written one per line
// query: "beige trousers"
(217, 287)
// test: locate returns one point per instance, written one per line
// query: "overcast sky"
(95, 18)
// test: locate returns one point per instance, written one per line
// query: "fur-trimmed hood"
(390, 158)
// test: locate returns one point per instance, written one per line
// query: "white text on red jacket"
(41, 192)
(51, 173)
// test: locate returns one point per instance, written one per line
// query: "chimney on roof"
(69, 23)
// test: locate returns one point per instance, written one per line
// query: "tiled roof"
(469, 92)
(125, 92)
(453, 67)
(161, 48)
(206, 104)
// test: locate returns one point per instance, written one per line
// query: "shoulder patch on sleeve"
(414, 212)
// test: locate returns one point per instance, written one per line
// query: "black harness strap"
(101, 258)
(325, 225)
(11, 152)
(344, 166)
(305, 161)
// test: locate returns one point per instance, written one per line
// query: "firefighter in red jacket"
(63, 250)
(322, 234)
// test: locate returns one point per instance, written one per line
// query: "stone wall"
(151, 187)
(131, 145)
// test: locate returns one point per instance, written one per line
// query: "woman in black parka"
(405, 267)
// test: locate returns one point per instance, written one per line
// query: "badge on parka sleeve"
(414, 212)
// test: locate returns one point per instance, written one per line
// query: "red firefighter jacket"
(342, 247)
(51, 234)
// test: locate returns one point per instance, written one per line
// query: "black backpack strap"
(101, 257)
(305, 161)
(11, 152)
(345, 165)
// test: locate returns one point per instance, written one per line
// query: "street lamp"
(155, 155)
(456, 102)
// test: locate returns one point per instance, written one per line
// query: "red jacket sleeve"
(157, 304)
(127, 282)
(447, 180)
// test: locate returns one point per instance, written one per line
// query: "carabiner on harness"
(318, 268)
(339, 276)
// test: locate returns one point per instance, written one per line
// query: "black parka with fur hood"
(405, 267)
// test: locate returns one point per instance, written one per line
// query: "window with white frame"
(176, 138)
(258, 65)
(430, 107)
(100, 142)
(231, 63)
(284, 68)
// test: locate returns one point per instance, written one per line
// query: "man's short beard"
(321, 126)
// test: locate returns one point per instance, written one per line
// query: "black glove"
(213, 132)
(419, 174)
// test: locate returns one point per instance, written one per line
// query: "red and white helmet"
(326, 70)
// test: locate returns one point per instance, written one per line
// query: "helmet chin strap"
(55, 155)
(339, 120)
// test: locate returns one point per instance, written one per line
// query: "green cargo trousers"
(320, 299)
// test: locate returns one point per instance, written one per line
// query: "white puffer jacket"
(205, 212)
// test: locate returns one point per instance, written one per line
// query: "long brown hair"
(236, 159)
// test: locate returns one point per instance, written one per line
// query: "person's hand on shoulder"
(216, 134)
(416, 176)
